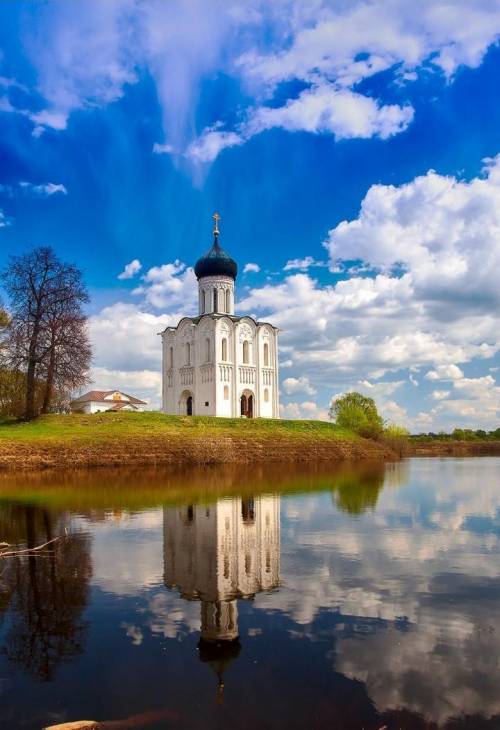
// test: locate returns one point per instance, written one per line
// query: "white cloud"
(95, 52)
(3, 220)
(162, 149)
(130, 270)
(125, 333)
(144, 384)
(169, 286)
(302, 264)
(298, 385)
(433, 300)
(307, 410)
(445, 372)
(43, 190)
(440, 394)
(210, 144)
(251, 268)
(325, 109)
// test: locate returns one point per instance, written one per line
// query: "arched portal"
(247, 404)
(186, 403)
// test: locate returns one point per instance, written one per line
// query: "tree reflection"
(45, 595)
(357, 492)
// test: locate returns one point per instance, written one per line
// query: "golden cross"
(216, 218)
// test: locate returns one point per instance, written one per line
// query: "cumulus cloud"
(169, 286)
(445, 372)
(328, 48)
(125, 333)
(130, 270)
(298, 385)
(251, 268)
(145, 384)
(307, 410)
(429, 297)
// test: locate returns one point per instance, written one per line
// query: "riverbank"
(153, 439)
(453, 448)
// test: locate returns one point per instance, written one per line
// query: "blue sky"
(350, 148)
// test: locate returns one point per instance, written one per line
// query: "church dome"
(216, 262)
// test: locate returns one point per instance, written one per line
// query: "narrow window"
(246, 352)
(207, 350)
(215, 301)
(266, 353)
(266, 395)
(202, 301)
(171, 357)
(226, 392)
(207, 300)
(224, 349)
(228, 301)
(188, 353)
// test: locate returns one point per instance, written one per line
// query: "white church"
(220, 364)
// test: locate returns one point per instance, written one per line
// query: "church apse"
(217, 554)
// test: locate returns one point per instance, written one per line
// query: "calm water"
(219, 598)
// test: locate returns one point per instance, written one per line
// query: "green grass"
(110, 426)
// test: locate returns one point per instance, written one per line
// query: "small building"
(97, 401)
(218, 363)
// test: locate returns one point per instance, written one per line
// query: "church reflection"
(217, 554)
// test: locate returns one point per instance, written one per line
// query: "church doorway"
(186, 404)
(246, 404)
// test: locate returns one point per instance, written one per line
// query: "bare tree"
(68, 358)
(46, 297)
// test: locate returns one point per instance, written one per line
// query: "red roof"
(99, 396)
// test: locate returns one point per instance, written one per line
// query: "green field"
(111, 426)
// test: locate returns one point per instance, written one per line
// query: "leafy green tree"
(357, 413)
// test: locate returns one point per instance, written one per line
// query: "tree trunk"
(49, 382)
(29, 413)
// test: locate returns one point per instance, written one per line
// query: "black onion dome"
(216, 262)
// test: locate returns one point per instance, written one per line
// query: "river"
(281, 597)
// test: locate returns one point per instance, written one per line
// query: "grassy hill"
(110, 439)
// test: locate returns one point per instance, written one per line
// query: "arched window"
(266, 395)
(226, 392)
(202, 302)
(224, 348)
(246, 352)
(206, 294)
(216, 309)
(188, 353)
(207, 349)
(228, 301)
(171, 362)
(266, 353)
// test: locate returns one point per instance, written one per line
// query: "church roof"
(219, 315)
(216, 262)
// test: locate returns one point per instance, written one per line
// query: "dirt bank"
(454, 448)
(158, 450)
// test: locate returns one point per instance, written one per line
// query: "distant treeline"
(459, 434)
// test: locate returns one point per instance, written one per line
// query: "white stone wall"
(218, 374)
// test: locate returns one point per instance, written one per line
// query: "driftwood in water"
(5, 552)
(130, 723)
